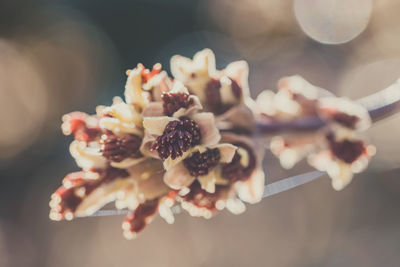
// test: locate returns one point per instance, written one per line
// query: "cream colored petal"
(341, 174)
(156, 125)
(169, 162)
(164, 86)
(320, 160)
(124, 112)
(286, 107)
(239, 71)
(251, 190)
(227, 151)
(145, 147)
(180, 67)
(178, 177)
(87, 157)
(360, 164)
(207, 182)
(119, 127)
(128, 198)
(208, 129)
(133, 88)
(205, 59)
(265, 103)
(155, 80)
(178, 87)
(153, 109)
(258, 148)
(298, 85)
(235, 206)
(166, 213)
(195, 211)
(226, 93)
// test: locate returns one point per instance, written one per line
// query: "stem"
(380, 105)
(269, 190)
(383, 103)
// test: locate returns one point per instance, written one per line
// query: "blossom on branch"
(336, 147)
(162, 146)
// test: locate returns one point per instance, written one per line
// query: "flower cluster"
(163, 145)
(336, 147)
(187, 141)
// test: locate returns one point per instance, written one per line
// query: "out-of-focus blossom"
(344, 112)
(336, 147)
(295, 98)
(342, 155)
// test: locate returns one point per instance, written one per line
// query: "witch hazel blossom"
(186, 141)
(189, 141)
(343, 155)
(164, 148)
(335, 148)
(223, 92)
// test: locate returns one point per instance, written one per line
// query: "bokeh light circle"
(333, 21)
(24, 99)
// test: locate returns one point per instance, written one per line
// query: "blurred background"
(60, 56)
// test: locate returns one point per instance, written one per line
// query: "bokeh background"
(59, 56)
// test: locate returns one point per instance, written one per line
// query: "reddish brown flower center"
(234, 170)
(174, 101)
(199, 164)
(202, 198)
(346, 120)
(346, 150)
(138, 219)
(178, 137)
(213, 95)
(117, 148)
(236, 89)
